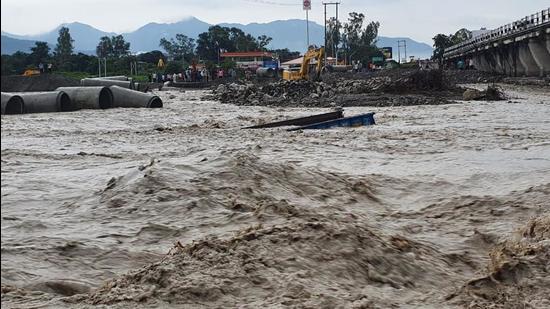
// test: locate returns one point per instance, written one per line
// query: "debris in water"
(492, 93)
(354, 121)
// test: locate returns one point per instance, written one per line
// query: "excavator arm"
(318, 55)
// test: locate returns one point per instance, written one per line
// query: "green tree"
(84, 63)
(182, 48)
(334, 36)
(64, 48)
(228, 64)
(211, 43)
(104, 48)
(40, 52)
(151, 57)
(175, 67)
(461, 36)
(441, 42)
(16, 63)
(359, 42)
(263, 41)
(120, 46)
(240, 41)
(113, 47)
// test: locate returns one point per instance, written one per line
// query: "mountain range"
(285, 33)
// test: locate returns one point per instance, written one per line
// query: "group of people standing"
(45, 68)
(191, 75)
(357, 66)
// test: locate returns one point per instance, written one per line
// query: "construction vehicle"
(317, 54)
(31, 72)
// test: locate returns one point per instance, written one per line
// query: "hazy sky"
(418, 19)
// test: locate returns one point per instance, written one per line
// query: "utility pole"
(307, 28)
(325, 5)
(325, 44)
(307, 7)
(405, 45)
(400, 44)
(336, 45)
(99, 62)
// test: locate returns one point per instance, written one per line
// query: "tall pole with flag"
(307, 7)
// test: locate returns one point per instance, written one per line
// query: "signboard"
(387, 51)
(271, 64)
(307, 5)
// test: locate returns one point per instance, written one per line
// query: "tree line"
(210, 44)
(352, 39)
(179, 52)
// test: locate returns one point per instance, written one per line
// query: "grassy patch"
(76, 75)
(140, 78)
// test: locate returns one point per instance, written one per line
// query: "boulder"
(473, 94)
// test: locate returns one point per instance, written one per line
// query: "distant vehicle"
(31, 72)
(318, 55)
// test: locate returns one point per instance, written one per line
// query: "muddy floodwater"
(180, 206)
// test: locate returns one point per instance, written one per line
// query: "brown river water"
(400, 214)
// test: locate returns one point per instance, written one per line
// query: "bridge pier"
(500, 63)
(477, 62)
(481, 63)
(492, 60)
(513, 65)
(540, 55)
(527, 61)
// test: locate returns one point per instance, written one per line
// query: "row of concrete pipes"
(65, 99)
(121, 81)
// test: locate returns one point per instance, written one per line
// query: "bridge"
(521, 48)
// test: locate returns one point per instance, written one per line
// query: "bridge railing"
(526, 23)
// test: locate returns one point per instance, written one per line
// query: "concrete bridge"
(521, 48)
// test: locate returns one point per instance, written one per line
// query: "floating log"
(302, 121)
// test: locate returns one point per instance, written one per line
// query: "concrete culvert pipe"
(143, 87)
(130, 98)
(90, 97)
(12, 104)
(106, 82)
(47, 102)
(118, 77)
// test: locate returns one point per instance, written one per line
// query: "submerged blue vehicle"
(354, 121)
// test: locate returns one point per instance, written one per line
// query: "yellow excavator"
(317, 54)
(31, 72)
